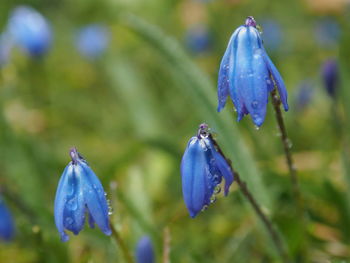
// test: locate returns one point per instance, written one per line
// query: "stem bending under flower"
(258, 210)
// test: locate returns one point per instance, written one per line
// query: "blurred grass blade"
(197, 85)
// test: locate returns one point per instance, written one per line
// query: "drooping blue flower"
(145, 251)
(198, 39)
(30, 30)
(248, 75)
(80, 193)
(202, 170)
(92, 40)
(7, 228)
(330, 76)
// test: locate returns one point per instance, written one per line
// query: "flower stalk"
(287, 148)
(122, 245)
(275, 237)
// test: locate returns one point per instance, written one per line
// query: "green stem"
(122, 245)
(275, 237)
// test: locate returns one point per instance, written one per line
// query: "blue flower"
(7, 229)
(30, 30)
(92, 40)
(198, 39)
(144, 250)
(330, 76)
(202, 169)
(247, 74)
(79, 193)
(304, 95)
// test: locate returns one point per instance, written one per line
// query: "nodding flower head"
(92, 40)
(330, 75)
(248, 75)
(202, 168)
(7, 229)
(30, 30)
(145, 251)
(80, 193)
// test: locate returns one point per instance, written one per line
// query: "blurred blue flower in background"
(271, 33)
(327, 32)
(145, 251)
(304, 95)
(202, 169)
(79, 193)
(247, 74)
(92, 40)
(330, 76)
(198, 39)
(5, 49)
(30, 30)
(7, 228)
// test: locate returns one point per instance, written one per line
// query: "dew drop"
(255, 104)
(72, 204)
(217, 189)
(205, 207)
(212, 199)
(69, 221)
(257, 127)
(289, 143)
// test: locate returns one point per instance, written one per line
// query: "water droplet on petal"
(69, 221)
(255, 104)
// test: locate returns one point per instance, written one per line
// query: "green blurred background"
(132, 111)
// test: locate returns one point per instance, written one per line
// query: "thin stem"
(166, 245)
(286, 146)
(122, 245)
(267, 223)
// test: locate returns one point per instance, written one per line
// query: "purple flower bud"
(330, 76)
(92, 40)
(7, 228)
(145, 251)
(30, 30)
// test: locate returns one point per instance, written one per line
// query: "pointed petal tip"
(64, 237)
(108, 232)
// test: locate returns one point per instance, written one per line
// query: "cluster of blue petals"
(80, 193)
(248, 75)
(144, 251)
(7, 228)
(30, 30)
(202, 170)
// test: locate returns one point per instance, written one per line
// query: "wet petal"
(251, 77)
(74, 210)
(194, 171)
(95, 199)
(60, 201)
(279, 82)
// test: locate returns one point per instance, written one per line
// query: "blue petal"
(233, 88)
(225, 72)
(224, 169)
(95, 199)
(60, 201)
(278, 80)
(7, 228)
(74, 211)
(144, 251)
(194, 171)
(251, 76)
